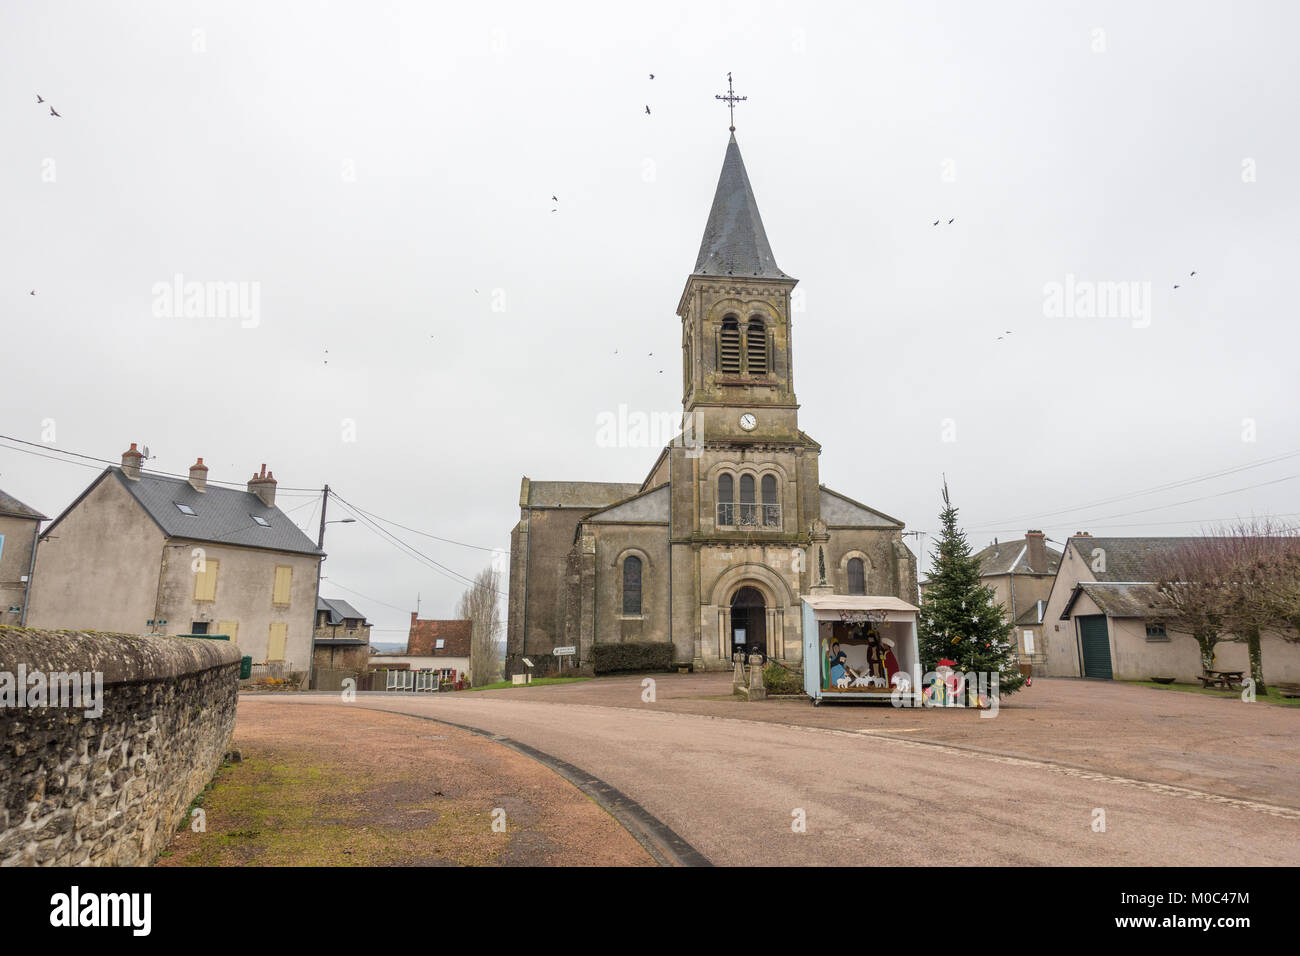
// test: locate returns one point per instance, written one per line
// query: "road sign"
(565, 651)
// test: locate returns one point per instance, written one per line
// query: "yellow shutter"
(279, 636)
(205, 581)
(230, 628)
(283, 579)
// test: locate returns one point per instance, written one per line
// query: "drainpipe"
(31, 570)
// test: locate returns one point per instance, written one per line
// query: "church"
(715, 549)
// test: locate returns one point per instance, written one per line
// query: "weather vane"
(731, 99)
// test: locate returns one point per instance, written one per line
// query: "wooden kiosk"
(860, 648)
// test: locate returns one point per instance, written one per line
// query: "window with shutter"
(756, 347)
(729, 347)
(205, 581)
(283, 581)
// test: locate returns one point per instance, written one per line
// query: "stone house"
(341, 639)
(443, 646)
(714, 548)
(19, 528)
(1102, 620)
(142, 553)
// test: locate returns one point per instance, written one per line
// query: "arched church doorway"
(748, 621)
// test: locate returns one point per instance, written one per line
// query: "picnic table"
(1228, 680)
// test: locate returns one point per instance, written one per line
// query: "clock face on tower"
(748, 422)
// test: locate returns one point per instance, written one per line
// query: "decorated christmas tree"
(961, 619)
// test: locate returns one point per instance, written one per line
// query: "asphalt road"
(736, 790)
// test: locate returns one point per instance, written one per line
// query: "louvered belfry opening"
(729, 347)
(756, 347)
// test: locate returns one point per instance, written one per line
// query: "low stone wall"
(108, 789)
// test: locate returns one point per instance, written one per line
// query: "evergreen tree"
(961, 619)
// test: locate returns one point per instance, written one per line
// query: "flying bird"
(1193, 272)
(935, 223)
(39, 98)
(652, 76)
(52, 112)
(1176, 285)
(647, 111)
(33, 292)
(950, 221)
(555, 198)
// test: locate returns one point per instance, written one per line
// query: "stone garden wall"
(107, 789)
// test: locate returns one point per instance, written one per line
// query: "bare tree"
(480, 604)
(1191, 579)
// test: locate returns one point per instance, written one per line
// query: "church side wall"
(650, 543)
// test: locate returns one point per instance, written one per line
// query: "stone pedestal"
(757, 688)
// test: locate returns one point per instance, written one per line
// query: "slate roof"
(1127, 559)
(222, 515)
(1034, 615)
(9, 505)
(339, 610)
(735, 242)
(424, 636)
(1119, 600)
(1012, 557)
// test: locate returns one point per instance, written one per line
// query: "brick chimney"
(1082, 534)
(199, 476)
(263, 485)
(1036, 551)
(131, 459)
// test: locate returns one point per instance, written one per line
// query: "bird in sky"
(652, 76)
(1193, 272)
(647, 111)
(935, 223)
(39, 98)
(33, 292)
(53, 112)
(952, 220)
(1176, 285)
(555, 198)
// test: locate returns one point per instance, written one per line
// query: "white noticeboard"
(565, 651)
(1029, 642)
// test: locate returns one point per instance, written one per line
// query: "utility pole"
(320, 546)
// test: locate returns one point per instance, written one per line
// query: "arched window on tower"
(771, 505)
(857, 577)
(726, 500)
(748, 509)
(756, 347)
(631, 584)
(729, 346)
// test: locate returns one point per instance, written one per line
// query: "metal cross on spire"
(731, 99)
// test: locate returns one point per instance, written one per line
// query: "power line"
(1167, 486)
(106, 461)
(425, 534)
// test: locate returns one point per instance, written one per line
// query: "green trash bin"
(245, 668)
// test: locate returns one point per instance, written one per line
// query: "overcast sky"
(382, 174)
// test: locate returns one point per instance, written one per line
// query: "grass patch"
(1272, 697)
(501, 684)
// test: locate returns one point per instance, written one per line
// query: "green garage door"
(1095, 643)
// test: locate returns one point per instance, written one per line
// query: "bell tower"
(737, 369)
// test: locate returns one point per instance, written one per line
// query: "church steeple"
(735, 243)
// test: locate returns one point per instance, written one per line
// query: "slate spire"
(734, 241)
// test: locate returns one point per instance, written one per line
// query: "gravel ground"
(342, 786)
(1221, 745)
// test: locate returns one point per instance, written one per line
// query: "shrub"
(782, 680)
(635, 656)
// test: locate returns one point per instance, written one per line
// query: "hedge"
(635, 656)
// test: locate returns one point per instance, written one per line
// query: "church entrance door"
(748, 622)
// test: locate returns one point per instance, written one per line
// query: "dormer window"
(185, 509)
(260, 521)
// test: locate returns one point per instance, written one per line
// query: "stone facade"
(19, 526)
(111, 789)
(732, 523)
